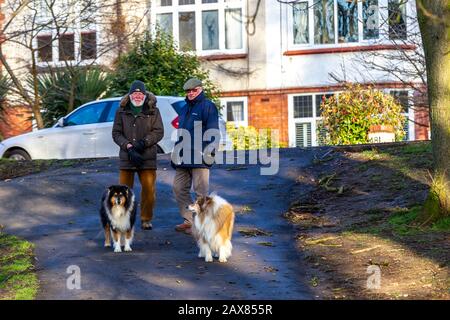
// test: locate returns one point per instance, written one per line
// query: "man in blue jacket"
(192, 170)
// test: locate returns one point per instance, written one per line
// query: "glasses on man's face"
(192, 90)
(137, 95)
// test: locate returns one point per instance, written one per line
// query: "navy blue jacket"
(200, 111)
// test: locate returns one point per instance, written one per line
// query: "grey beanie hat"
(192, 83)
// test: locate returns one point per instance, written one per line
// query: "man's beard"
(136, 104)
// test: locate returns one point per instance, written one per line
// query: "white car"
(86, 132)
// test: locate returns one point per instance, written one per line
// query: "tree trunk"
(73, 85)
(36, 106)
(434, 20)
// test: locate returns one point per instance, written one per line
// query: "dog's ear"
(206, 201)
(200, 201)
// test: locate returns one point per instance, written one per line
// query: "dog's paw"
(222, 259)
(127, 249)
(201, 255)
(209, 259)
(107, 245)
(117, 249)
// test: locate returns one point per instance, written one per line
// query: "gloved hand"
(135, 157)
(139, 146)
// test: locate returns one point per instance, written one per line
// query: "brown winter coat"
(128, 128)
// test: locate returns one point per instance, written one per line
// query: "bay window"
(205, 26)
(332, 22)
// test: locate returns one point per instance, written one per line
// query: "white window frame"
(198, 7)
(76, 30)
(383, 27)
(312, 120)
(223, 111)
(409, 115)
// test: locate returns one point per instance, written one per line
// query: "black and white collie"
(118, 214)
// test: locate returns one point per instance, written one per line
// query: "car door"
(105, 145)
(77, 138)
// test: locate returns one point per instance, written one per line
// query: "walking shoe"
(184, 226)
(146, 225)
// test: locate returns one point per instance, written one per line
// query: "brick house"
(273, 59)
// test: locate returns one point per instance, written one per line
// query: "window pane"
(163, 3)
(235, 111)
(44, 48)
(43, 9)
(347, 20)
(183, 2)
(233, 29)
(301, 22)
(87, 115)
(210, 29)
(402, 98)
(88, 45)
(112, 111)
(164, 21)
(324, 21)
(319, 99)
(87, 11)
(303, 107)
(187, 30)
(397, 19)
(371, 22)
(66, 47)
(303, 134)
(209, 1)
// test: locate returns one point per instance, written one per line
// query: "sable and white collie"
(118, 214)
(213, 227)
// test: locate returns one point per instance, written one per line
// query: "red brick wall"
(269, 111)
(269, 108)
(421, 116)
(15, 121)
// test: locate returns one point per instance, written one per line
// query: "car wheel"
(17, 154)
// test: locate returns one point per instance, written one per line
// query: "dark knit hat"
(137, 86)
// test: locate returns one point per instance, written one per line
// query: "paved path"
(58, 211)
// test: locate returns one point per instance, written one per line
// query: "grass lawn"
(18, 280)
(10, 169)
(362, 212)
